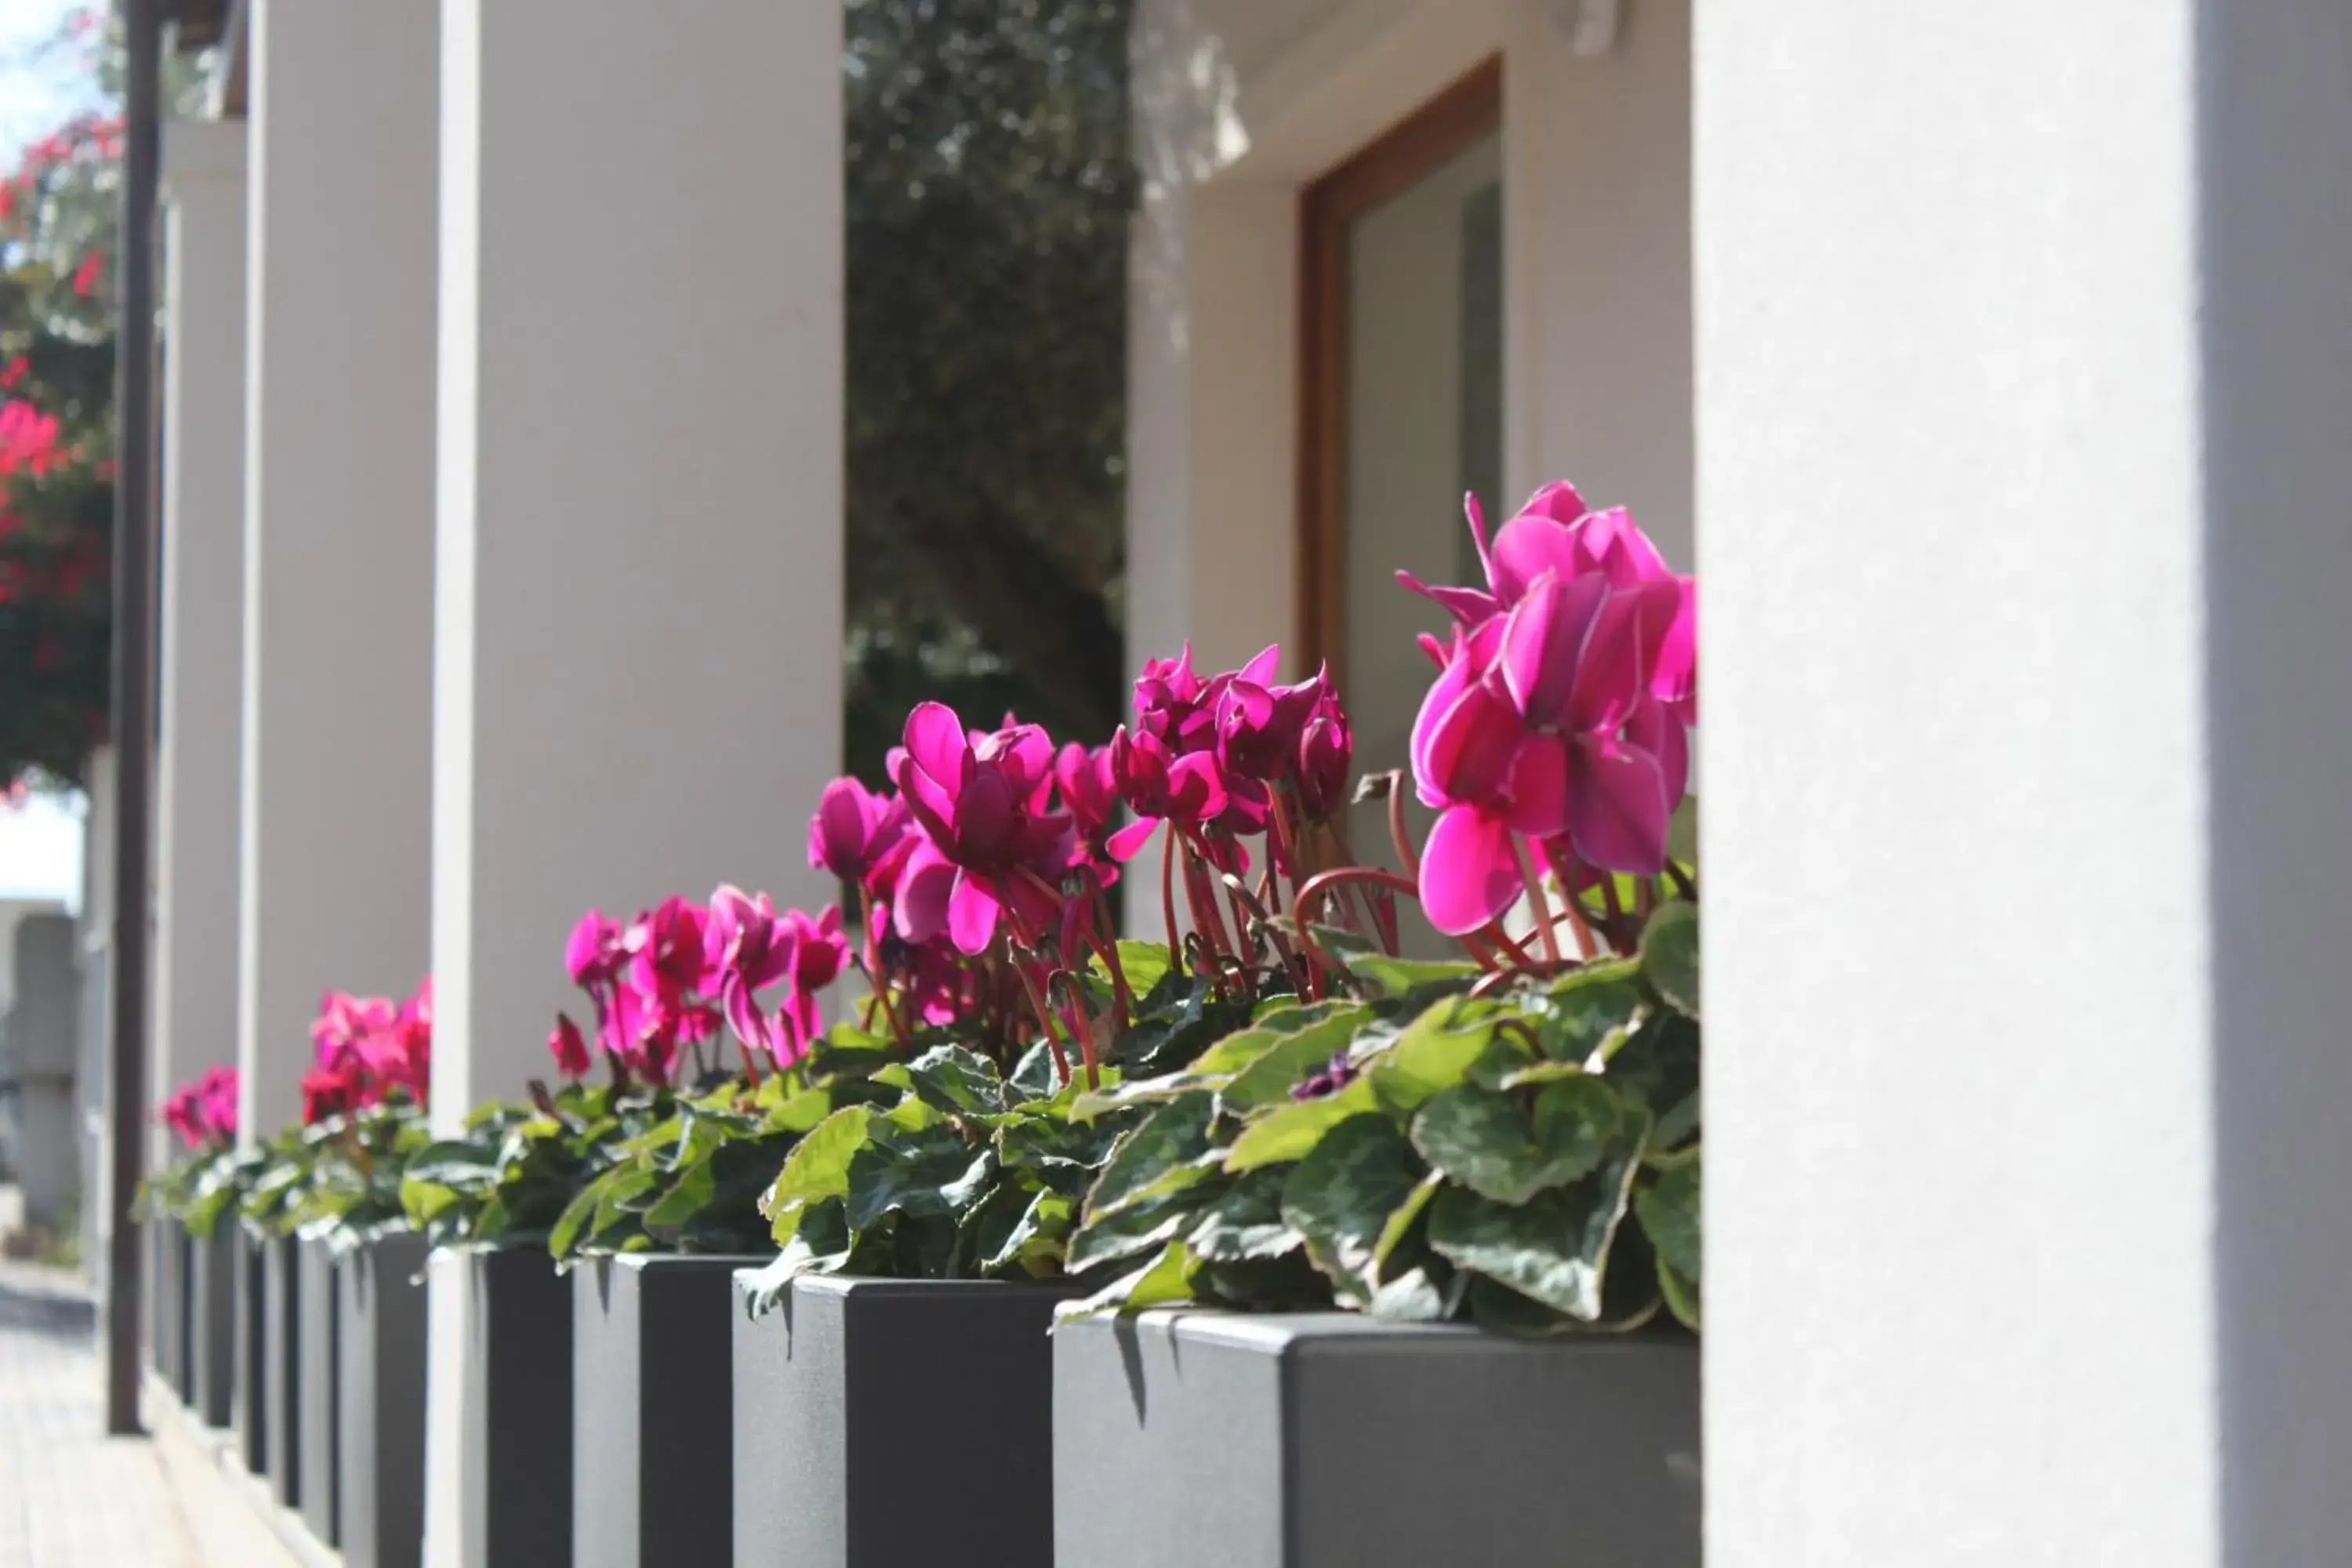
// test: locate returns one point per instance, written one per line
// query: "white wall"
(335, 827)
(202, 592)
(2025, 365)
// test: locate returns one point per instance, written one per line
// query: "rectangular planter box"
(212, 1324)
(317, 1331)
(653, 1410)
(889, 1422)
(1328, 1440)
(379, 1404)
(248, 1407)
(170, 1326)
(515, 1442)
(281, 1367)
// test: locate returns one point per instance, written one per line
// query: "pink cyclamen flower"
(570, 1049)
(854, 830)
(1258, 725)
(217, 1100)
(1326, 748)
(1542, 725)
(988, 840)
(1557, 532)
(1189, 790)
(666, 949)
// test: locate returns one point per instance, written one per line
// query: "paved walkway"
(71, 1497)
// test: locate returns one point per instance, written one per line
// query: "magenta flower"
(1089, 792)
(568, 1049)
(1176, 705)
(665, 945)
(592, 955)
(1188, 790)
(1542, 725)
(752, 949)
(854, 830)
(1556, 532)
(1258, 726)
(988, 840)
(1326, 748)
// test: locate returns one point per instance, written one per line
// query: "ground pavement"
(71, 1497)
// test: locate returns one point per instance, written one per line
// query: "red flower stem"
(1509, 945)
(1045, 1018)
(1122, 995)
(1618, 935)
(1240, 896)
(1537, 902)
(1563, 866)
(1319, 886)
(1168, 900)
(1684, 883)
(1205, 920)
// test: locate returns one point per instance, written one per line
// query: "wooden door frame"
(1425, 140)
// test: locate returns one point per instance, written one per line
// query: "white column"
(202, 695)
(2024, 363)
(336, 837)
(637, 660)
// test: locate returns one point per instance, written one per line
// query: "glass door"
(1403, 389)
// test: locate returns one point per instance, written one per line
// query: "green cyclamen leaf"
(1290, 1132)
(959, 1082)
(1341, 1195)
(1312, 1037)
(1668, 1209)
(1553, 1248)
(1486, 1141)
(1586, 1013)
(1384, 976)
(1159, 1156)
(1670, 956)
(1245, 1224)
(818, 1166)
(1436, 1051)
(1136, 1229)
(1167, 1277)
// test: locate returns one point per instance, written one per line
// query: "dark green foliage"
(988, 191)
(1474, 1155)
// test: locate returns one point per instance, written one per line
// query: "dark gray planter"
(281, 1367)
(212, 1324)
(1328, 1440)
(887, 1422)
(248, 1407)
(318, 1330)
(379, 1404)
(652, 1484)
(516, 1437)
(170, 1325)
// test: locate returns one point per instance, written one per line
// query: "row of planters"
(1273, 1246)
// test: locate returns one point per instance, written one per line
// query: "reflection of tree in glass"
(989, 187)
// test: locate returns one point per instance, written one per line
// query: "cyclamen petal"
(1617, 812)
(936, 744)
(925, 887)
(1544, 642)
(1469, 875)
(972, 913)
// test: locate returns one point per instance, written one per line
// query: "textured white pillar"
(202, 694)
(637, 660)
(2024, 374)
(336, 836)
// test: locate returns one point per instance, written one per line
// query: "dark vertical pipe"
(133, 704)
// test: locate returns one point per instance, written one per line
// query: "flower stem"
(1537, 902)
(1045, 1019)
(1168, 900)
